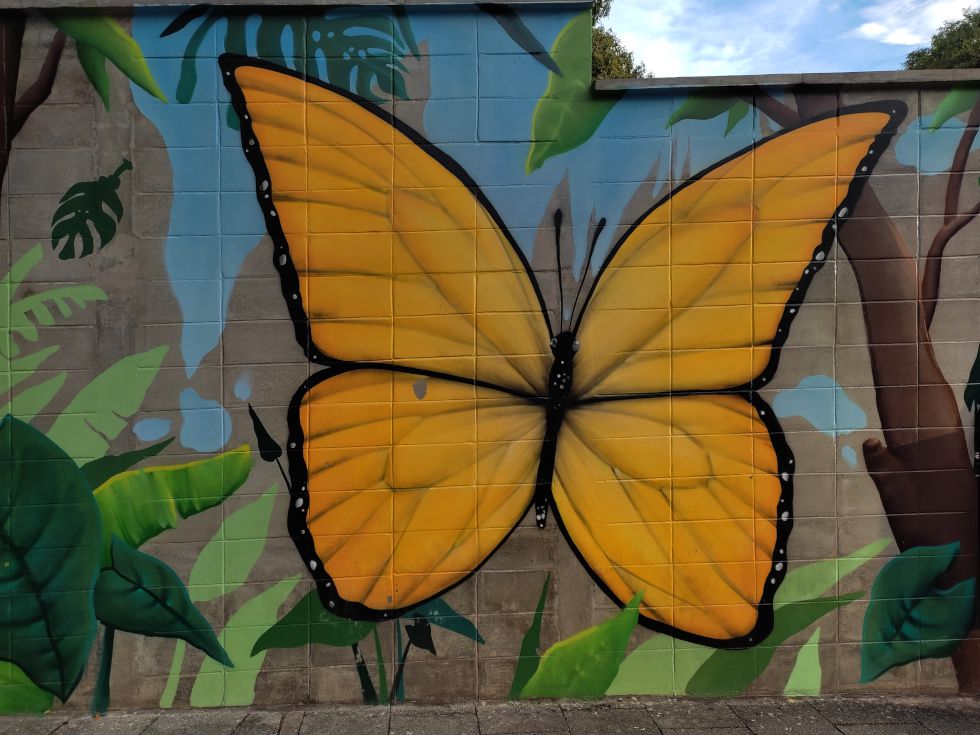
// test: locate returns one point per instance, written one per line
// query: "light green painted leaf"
(19, 695)
(49, 559)
(140, 594)
(16, 371)
(569, 112)
(28, 403)
(227, 559)
(139, 504)
(527, 662)
(584, 665)
(173, 676)
(806, 677)
(103, 34)
(736, 113)
(707, 105)
(37, 309)
(217, 687)
(99, 411)
(308, 622)
(816, 579)
(957, 101)
(909, 617)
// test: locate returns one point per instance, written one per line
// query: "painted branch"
(12, 24)
(932, 269)
(958, 166)
(37, 93)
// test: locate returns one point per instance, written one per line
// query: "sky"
(712, 37)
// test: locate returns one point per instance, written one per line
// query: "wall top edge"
(128, 4)
(931, 77)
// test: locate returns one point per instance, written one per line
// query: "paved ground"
(826, 716)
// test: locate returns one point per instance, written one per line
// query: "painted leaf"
(269, 449)
(736, 113)
(140, 504)
(99, 411)
(103, 34)
(957, 101)
(309, 622)
(419, 634)
(909, 617)
(216, 686)
(38, 308)
(19, 695)
(180, 22)
(28, 403)
(568, 113)
(818, 578)
(88, 215)
(513, 25)
(707, 105)
(141, 594)
(527, 663)
(729, 671)
(16, 371)
(228, 558)
(806, 677)
(50, 558)
(584, 665)
(439, 612)
(93, 64)
(971, 394)
(99, 470)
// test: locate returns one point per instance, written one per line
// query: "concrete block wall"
(355, 355)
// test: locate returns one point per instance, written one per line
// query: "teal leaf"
(141, 594)
(439, 612)
(584, 665)
(971, 394)
(909, 617)
(88, 215)
(99, 470)
(569, 112)
(527, 662)
(309, 622)
(100, 410)
(49, 559)
(957, 101)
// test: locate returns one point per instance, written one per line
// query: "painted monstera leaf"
(88, 215)
(51, 548)
(910, 617)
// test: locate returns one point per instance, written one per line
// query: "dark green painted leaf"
(181, 21)
(514, 26)
(957, 101)
(584, 665)
(909, 617)
(93, 64)
(705, 106)
(527, 663)
(50, 546)
(269, 449)
(99, 470)
(141, 594)
(309, 622)
(139, 504)
(420, 634)
(438, 612)
(971, 394)
(736, 113)
(89, 209)
(568, 113)
(728, 672)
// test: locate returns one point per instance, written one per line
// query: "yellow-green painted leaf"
(957, 101)
(19, 695)
(139, 504)
(100, 410)
(818, 578)
(28, 403)
(805, 678)
(104, 34)
(569, 112)
(584, 665)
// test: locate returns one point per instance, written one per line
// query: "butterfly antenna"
(588, 262)
(561, 289)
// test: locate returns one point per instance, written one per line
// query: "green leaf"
(141, 594)
(439, 612)
(49, 559)
(103, 34)
(93, 64)
(729, 671)
(140, 504)
(88, 209)
(16, 371)
(806, 677)
(227, 559)
(19, 695)
(957, 101)
(382, 675)
(99, 470)
(527, 662)
(909, 617)
(215, 686)
(35, 309)
(818, 578)
(736, 113)
(584, 665)
(100, 410)
(309, 622)
(707, 105)
(971, 394)
(568, 113)
(28, 403)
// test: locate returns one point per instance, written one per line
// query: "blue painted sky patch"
(823, 403)
(151, 429)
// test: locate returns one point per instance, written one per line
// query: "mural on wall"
(515, 305)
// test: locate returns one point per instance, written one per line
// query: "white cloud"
(907, 22)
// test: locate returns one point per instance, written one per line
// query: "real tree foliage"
(610, 59)
(956, 45)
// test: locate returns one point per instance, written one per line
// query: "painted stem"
(397, 683)
(100, 699)
(368, 691)
(382, 675)
(173, 678)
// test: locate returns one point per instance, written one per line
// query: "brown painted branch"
(37, 93)
(12, 24)
(958, 166)
(932, 269)
(771, 107)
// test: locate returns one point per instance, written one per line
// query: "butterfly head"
(564, 346)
